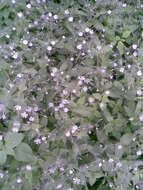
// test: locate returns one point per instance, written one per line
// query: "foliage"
(71, 111)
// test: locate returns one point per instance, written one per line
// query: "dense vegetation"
(71, 105)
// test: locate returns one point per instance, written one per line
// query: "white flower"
(90, 99)
(19, 180)
(110, 160)
(135, 54)
(122, 69)
(67, 134)
(13, 1)
(24, 115)
(56, 109)
(129, 66)
(79, 46)
(139, 73)
(85, 89)
(37, 141)
(50, 105)
(141, 118)
(20, 14)
(55, 17)
(87, 30)
(19, 75)
(66, 110)
(1, 175)
(107, 92)
(15, 55)
(109, 12)
(74, 91)
(1, 137)
(99, 48)
(91, 32)
(134, 46)
(70, 19)
(31, 118)
(18, 107)
(15, 129)
(53, 42)
(50, 14)
(119, 164)
(25, 42)
(28, 6)
(71, 59)
(139, 92)
(65, 92)
(139, 152)
(70, 171)
(49, 48)
(74, 128)
(28, 167)
(76, 180)
(119, 147)
(43, 138)
(100, 164)
(67, 12)
(124, 5)
(59, 186)
(80, 34)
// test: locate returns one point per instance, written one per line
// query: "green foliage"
(71, 109)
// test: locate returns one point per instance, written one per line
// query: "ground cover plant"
(71, 114)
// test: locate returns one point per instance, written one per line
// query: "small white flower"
(59, 186)
(101, 105)
(25, 42)
(110, 160)
(91, 32)
(65, 92)
(37, 141)
(1, 137)
(67, 134)
(84, 42)
(70, 19)
(139, 73)
(135, 54)
(99, 48)
(18, 107)
(7, 36)
(141, 118)
(19, 75)
(43, 138)
(91, 100)
(28, 6)
(74, 128)
(31, 118)
(13, 1)
(50, 105)
(15, 129)
(24, 115)
(119, 164)
(79, 46)
(74, 91)
(19, 180)
(15, 55)
(134, 46)
(28, 167)
(119, 147)
(124, 5)
(76, 180)
(109, 12)
(85, 89)
(139, 152)
(87, 30)
(53, 42)
(56, 109)
(20, 14)
(1, 175)
(129, 66)
(107, 92)
(71, 59)
(115, 64)
(122, 69)
(139, 92)
(100, 164)
(67, 12)
(80, 34)
(55, 17)
(66, 110)
(131, 119)
(49, 48)
(50, 14)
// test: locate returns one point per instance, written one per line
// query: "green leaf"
(126, 34)
(13, 139)
(24, 153)
(120, 47)
(3, 157)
